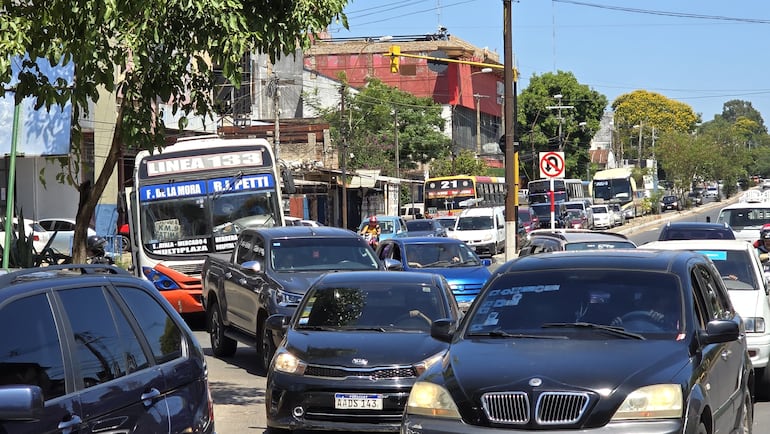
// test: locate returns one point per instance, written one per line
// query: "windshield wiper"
(230, 186)
(323, 328)
(618, 331)
(503, 334)
(376, 329)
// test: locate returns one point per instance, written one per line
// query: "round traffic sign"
(552, 164)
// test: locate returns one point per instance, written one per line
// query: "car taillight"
(36, 238)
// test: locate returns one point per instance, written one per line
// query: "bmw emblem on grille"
(534, 382)
(360, 362)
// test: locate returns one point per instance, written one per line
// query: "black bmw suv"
(89, 348)
(599, 341)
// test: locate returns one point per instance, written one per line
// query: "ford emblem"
(360, 362)
(534, 382)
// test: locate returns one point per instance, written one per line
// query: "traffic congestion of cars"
(416, 334)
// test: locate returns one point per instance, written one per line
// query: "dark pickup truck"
(269, 272)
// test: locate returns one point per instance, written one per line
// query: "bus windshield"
(609, 189)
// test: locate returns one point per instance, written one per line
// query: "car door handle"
(242, 281)
(228, 275)
(726, 354)
(70, 425)
(149, 396)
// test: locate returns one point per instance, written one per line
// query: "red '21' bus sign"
(552, 164)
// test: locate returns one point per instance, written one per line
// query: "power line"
(665, 13)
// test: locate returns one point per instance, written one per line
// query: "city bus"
(191, 199)
(449, 195)
(617, 186)
(538, 191)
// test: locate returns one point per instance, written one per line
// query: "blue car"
(465, 272)
(391, 226)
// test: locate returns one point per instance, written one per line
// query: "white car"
(603, 217)
(743, 275)
(296, 221)
(64, 229)
(39, 235)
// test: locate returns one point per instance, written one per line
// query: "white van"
(411, 211)
(482, 229)
(747, 216)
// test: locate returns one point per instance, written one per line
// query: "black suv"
(546, 240)
(631, 341)
(90, 348)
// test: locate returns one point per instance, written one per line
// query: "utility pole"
(639, 153)
(478, 123)
(560, 118)
(343, 162)
(277, 113)
(511, 153)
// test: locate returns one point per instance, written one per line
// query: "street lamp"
(478, 111)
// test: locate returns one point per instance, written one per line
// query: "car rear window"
(599, 245)
(419, 225)
(735, 267)
(322, 254)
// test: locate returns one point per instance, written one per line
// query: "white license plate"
(355, 401)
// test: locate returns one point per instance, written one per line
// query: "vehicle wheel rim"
(266, 348)
(215, 329)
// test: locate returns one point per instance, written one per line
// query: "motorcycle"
(372, 240)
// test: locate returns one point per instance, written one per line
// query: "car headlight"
(287, 362)
(428, 399)
(427, 363)
(754, 324)
(659, 401)
(285, 298)
(487, 237)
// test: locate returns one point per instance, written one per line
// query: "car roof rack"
(49, 271)
(755, 196)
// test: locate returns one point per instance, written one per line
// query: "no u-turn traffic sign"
(552, 164)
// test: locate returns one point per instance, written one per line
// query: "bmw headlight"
(659, 401)
(285, 298)
(428, 399)
(754, 324)
(287, 362)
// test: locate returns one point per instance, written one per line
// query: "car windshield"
(322, 254)
(474, 223)
(448, 223)
(599, 245)
(372, 306)
(440, 255)
(563, 302)
(735, 268)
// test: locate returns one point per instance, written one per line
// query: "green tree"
(538, 126)
(648, 110)
(377, 116)
(146, 51)
(685, 157)
(735, 109)
(464, 163)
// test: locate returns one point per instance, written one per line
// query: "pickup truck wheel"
(268, 347)
(221, 345)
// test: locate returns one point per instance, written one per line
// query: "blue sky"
(702, 53)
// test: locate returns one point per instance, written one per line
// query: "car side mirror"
(277, 322)
(486, 262)
(255, 266)
(442, 329)
(393, 265)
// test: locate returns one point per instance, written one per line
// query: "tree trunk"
(90, 195)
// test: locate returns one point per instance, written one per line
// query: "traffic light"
(395, 54)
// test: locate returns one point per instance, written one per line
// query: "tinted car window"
(30, 352)
(528, 301)
(376, 305)
(419, 225)
(299, 254)
(164, 337)
(593, 245)
(106, 348)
